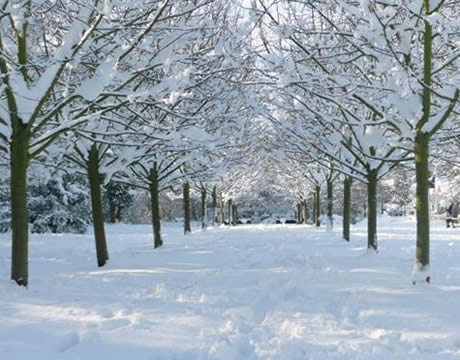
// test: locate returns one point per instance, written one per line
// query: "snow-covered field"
(252, 292)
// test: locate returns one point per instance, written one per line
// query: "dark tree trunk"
(113, 214)
(222, 212)
(318, 205)
(421, 201)
(421, 149)
(186, 194)
(313, 218)
(214, 205)
(346, 207)
(95, 181)
(305, 211)
(330, 204)
(155, 202)
(19, 217)
(230, 212)
(372, 210)
(234, 214)
(203, 216)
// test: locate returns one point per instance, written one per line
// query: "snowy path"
(252, 292)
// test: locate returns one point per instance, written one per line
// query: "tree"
(333, 97)
(186, 195)
(117, 198)
(417, 57)
(57, 70)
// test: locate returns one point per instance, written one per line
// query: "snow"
(250, 292)
(91, 88)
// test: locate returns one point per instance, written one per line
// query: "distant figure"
(449, 216)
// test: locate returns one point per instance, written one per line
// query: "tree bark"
(330, 204)
(235, 214)
(19, 217)
(96, 205)
(305, 211)
(222, 212)
(155, 202)
(421, 201)
(230, 212)
(346, 207)
(113, 214)
(421, 149)
(203, 216)
(299, 213)
(186, 194)
(313, 219)
(372, 210)
(318, 206)
(214, 205)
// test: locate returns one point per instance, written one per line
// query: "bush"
(58, 205)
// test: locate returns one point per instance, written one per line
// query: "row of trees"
(139, 92)
(362, 87)
(159, 95)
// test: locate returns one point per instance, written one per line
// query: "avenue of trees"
(274, 102)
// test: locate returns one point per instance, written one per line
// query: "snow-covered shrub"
(59, 205)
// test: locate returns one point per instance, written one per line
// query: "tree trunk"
(346, 207)
(96, 205)
(305, 211)
(235, 214)
(155, 201)
(330, 204)
(186, 194)
(222, 212)
(313, 219)
(372, 210)
(113, 214)
(230, 211)
(299, 213)
(214, 205)
(421, 201)
(19, 217)
(421, 149)
(203, 216)
(318, 206)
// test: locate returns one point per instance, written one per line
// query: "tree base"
(421, 274)
(427, 280)
(102, 263)
(20, 282)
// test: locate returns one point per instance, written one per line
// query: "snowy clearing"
(250, 292)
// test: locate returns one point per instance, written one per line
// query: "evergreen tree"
(58, 205)
(116, 199)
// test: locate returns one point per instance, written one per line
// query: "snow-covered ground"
(282, 292)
